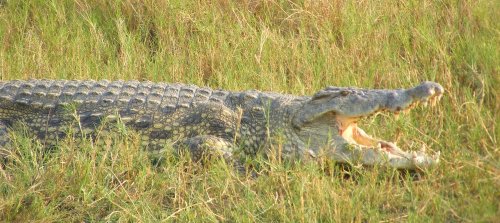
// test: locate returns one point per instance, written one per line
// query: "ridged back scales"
(99, 96)
(148, 107)
(120, 94)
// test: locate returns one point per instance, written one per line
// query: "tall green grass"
(284, 46)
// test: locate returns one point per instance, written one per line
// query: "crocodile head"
(331, 117)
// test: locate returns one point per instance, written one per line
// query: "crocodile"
(205, 121)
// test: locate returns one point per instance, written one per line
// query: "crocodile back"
(161, 113)
(101, 95)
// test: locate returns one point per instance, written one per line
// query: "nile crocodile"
(201, 119)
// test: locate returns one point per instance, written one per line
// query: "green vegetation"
(285, 46)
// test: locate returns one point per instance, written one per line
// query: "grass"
(284, 46)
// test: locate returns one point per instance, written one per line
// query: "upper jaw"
(359, 103)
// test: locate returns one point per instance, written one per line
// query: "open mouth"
(349, 130)
(329, 122)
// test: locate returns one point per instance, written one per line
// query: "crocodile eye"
(321, 95)
(344, 93)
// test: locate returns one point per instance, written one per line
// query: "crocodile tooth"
(437, 156)
(396, 115)
(414, 154)
(425, 103)
(423, 149)
(433, 101)
(432, 91)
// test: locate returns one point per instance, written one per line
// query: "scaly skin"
(203, 119)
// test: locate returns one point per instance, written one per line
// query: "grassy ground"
(285, 46)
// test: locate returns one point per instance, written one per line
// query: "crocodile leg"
(205, 147)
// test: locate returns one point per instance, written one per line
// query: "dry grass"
(285, 46)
